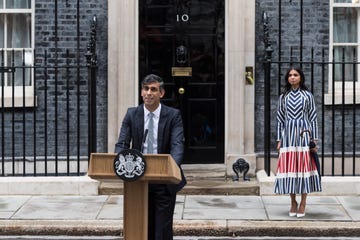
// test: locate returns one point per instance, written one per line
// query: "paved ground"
(195, 215)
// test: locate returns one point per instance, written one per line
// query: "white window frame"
(19, 90)
(337, 88)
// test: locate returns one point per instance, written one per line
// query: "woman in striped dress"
(296, 170)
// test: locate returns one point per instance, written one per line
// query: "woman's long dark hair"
(287, 87)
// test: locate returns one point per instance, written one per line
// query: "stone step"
(213, 186)
(203, 179)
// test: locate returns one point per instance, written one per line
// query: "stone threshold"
(84, 185)
(211, 186)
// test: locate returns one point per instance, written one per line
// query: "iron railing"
(336, 99)
(48, 123)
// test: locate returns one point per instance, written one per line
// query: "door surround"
(239, 53)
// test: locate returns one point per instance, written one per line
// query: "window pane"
(20, 71)
(346, 1)
(19, 30)
(345, 25)
(2, 30)
(18, 3)
(346, 53)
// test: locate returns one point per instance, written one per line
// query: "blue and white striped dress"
(296, 170)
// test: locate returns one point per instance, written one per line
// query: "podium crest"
(129, 165)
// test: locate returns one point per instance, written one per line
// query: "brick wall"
(27, 127)
(314, 45)
(68, 40)
(287, 42)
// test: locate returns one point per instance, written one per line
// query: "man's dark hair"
(151, 78)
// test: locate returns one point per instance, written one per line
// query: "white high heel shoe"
(300, 215)
(292, 214)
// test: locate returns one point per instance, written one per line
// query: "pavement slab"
(61, 207)
(351, 205)
(10, 204)
(195, 215)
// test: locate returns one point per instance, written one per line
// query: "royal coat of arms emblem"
(129, 165)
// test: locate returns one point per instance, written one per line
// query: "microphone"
(143, 140)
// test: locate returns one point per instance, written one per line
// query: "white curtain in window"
(18, 3)
(344, 31)
(348, 54)
(345, 1)
(19, 59)
(345, 25)
(18, 36)
(2, 24)
(19, 30)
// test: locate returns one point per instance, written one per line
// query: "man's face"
(151, 95)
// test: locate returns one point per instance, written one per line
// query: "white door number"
(182, 17)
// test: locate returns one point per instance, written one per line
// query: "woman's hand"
(313, 146)
(314, 149)
(278, 146)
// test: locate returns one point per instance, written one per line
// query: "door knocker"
(181, 54)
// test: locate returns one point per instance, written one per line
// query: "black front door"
(183, 42)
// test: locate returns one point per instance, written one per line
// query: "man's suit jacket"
(170, 135)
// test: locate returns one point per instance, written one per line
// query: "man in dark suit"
(167, 133)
